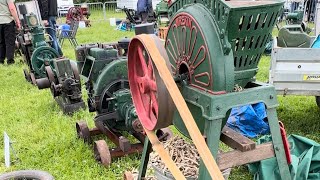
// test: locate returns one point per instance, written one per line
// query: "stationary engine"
(45, 68)
(104, 67)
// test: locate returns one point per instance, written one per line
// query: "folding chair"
(69, 34)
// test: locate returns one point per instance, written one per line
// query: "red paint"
(182, 49)
(184, 21)
(143, 85)
(285, 142)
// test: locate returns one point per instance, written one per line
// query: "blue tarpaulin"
(316, 43)
(249, 120)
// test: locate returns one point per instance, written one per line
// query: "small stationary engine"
(46, 69)
(104, 67)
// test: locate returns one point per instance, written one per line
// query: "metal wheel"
(50, 74)
(43, 83)
(83, 131)
(27, 75)
(42, 57)
(75, 71)
(33, 79)
(146, 84)
(108, 93)
(128, 176)
(102, 153)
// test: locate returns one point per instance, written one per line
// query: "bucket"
(82, 24)
(159, 174)
(113, 22)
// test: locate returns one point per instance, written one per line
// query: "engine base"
(69, 108)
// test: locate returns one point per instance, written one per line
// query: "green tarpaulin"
(305, 154)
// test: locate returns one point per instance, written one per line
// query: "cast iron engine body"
(107, 84)
(104, 66)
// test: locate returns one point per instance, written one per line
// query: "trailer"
(295, 71)
(295, 63)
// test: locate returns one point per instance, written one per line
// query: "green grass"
(45, 139)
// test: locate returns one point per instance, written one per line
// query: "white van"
(64, 6)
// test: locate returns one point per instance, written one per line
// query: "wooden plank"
(236, 141)
(236, 158)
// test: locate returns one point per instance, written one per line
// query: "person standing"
(144, 7)
(49, 12)
(9, 19)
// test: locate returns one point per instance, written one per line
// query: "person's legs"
(10, 38)
(2, 44)
(144, 17)
(52, 32)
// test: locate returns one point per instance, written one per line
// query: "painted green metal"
(162, 13)
(42, 56)
(217, 45)
(42, 53)
(295, 17)
(294, 33)
(66, 88)
(246, 33)
(107, 84)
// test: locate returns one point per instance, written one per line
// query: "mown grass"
(45, 139)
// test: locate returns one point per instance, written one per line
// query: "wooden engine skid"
(200, 69)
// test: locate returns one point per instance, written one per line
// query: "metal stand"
(245, 150)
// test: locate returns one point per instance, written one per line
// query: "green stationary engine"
(212, 51)
(46, 69)
(35, 49)
(104, 66)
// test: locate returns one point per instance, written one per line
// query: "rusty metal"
(27, 75)
(137, 126)
(128, 176)
(124, 144)
(50, 74)
(83, 132)
(102, 153)
(33, 78)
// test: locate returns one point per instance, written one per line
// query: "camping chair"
(131, 16)
(69, 34)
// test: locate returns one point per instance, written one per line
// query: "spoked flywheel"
(150, 96)
(42, 57)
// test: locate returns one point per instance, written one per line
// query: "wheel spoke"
(154, 103)
(42, 66)
(40, 59)
(153, 85)
(147, 101)
(142, 60)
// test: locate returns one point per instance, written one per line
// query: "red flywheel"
(153, 103)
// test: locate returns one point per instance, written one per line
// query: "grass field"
(45, 139)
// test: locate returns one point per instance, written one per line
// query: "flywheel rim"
(147, 86)
(40, 56)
